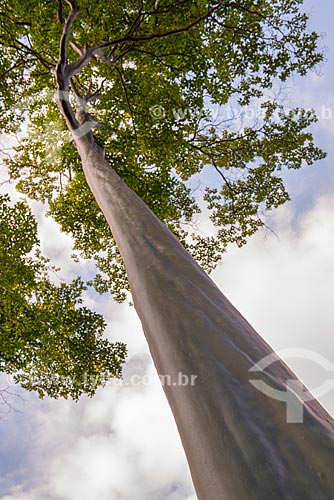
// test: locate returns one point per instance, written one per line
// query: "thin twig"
(127, 100)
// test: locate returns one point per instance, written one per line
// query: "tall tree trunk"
(237, 440)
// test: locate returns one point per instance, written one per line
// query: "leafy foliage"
(162, 65)
(47, 340)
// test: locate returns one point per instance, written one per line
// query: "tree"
(131, 56)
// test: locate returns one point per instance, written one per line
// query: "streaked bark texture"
(237, 440)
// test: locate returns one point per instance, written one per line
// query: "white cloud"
(284, 286)
(18, 494)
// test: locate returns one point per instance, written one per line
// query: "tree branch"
(127, 100)
(14, 21)
(64, 72)
(66, 32)
(154, 36)
(158, 58)
(60, 71)
(87, 54)
(20, 46)
(60, 12)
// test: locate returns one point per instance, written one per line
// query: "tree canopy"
(167, 85)
(48, 341)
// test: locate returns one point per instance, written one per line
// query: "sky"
(123, 443)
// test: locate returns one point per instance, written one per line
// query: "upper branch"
(60, 11)
(66, 32)
(87, 54)
(154, 36)
(64, 71)
(61, 69)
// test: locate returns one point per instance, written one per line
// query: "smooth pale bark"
(237, 441)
